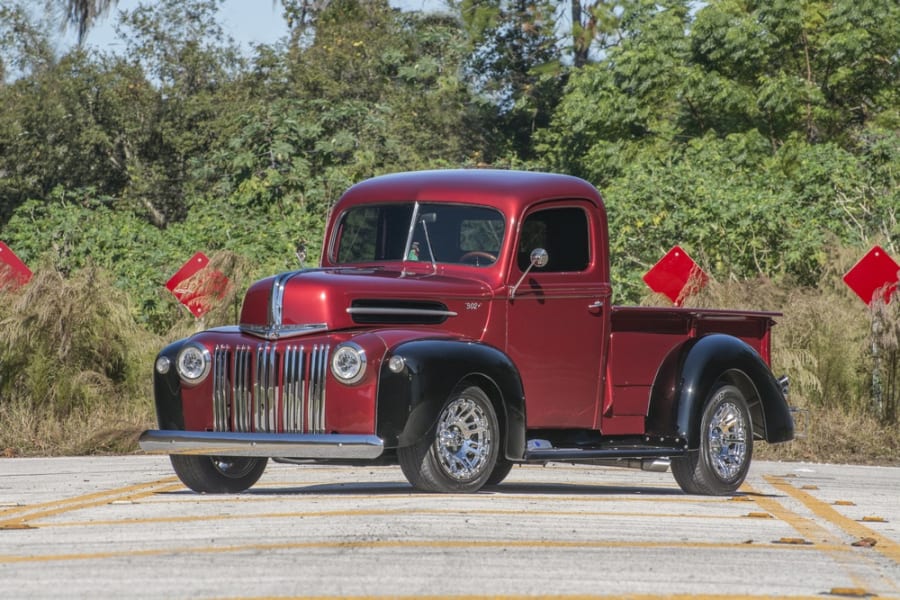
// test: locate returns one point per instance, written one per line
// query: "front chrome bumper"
(288, 445)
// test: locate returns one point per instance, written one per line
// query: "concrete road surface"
(124, 527)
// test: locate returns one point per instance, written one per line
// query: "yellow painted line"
(539, 597)
(388, 544)
(883, 544)
(31, 512)
(572, 497)
(374, 512)
(812, 532)
(809, 529)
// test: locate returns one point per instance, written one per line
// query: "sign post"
(874, 277)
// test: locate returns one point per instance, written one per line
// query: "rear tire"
(460, 452)
(720, 465)
(218, 474)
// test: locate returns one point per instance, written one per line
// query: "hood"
(302, 302)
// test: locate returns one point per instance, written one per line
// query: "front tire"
(720, 465)
(501, 470)
(460, 452)
(218, 474)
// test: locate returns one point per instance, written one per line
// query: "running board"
(589, 454)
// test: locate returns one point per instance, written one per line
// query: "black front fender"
(167, 390)
(687, 376)
(409, 402)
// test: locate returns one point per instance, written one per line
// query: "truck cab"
(460, 322)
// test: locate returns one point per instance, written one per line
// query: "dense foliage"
(763, 136)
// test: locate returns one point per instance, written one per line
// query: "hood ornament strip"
(283, 331)
(276, 299)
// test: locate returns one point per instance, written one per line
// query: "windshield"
(431, 232)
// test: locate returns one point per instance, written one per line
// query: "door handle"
(596, 306)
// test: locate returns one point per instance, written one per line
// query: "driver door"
(558, 315)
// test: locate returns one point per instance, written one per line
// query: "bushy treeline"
(764, 137)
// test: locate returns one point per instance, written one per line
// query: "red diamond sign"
(12, 270)
(676, 275)
(195, 285)
(875, 272)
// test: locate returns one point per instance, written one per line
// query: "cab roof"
(510, 191)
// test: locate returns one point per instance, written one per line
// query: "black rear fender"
(409, 402)
(688, 375)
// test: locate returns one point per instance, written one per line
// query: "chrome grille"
(262, 388)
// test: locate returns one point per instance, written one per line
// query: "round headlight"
(163, 364)
(193, 363)
(396, 363)
(348, 363)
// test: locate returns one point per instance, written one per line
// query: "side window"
(563, 233)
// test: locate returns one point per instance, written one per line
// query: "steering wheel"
(476, 254)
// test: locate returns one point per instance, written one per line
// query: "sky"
(249, 22)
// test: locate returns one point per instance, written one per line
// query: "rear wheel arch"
(692, 370)
(744, 383)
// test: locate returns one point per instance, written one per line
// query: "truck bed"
(642, 337)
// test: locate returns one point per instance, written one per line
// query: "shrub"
(69, 350)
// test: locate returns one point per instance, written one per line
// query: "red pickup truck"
(460, 323)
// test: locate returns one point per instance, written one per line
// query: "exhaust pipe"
(655, 465)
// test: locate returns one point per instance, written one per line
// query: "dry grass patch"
(824, 342)
(106, 428)
(835, 436)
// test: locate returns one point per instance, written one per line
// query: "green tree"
(75, 123)
(595, 27)
(515, 65)
(742, 104)
(191, 65)
(375, 90)
(82, 14)
(819, 68)
(25, 44)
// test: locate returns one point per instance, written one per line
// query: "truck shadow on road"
(390, 488)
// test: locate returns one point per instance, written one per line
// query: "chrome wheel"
(461, 451)
(463, 440)
(727, 440)
(720, 463)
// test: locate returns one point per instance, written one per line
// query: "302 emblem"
(473, 305)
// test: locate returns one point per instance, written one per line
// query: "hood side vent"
(399, 312)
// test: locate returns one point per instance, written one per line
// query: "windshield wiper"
(424, 220)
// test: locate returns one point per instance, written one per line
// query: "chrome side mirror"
(539, 258)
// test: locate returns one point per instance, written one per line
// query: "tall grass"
(76, 369)
(73, 365)
(824, 342)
